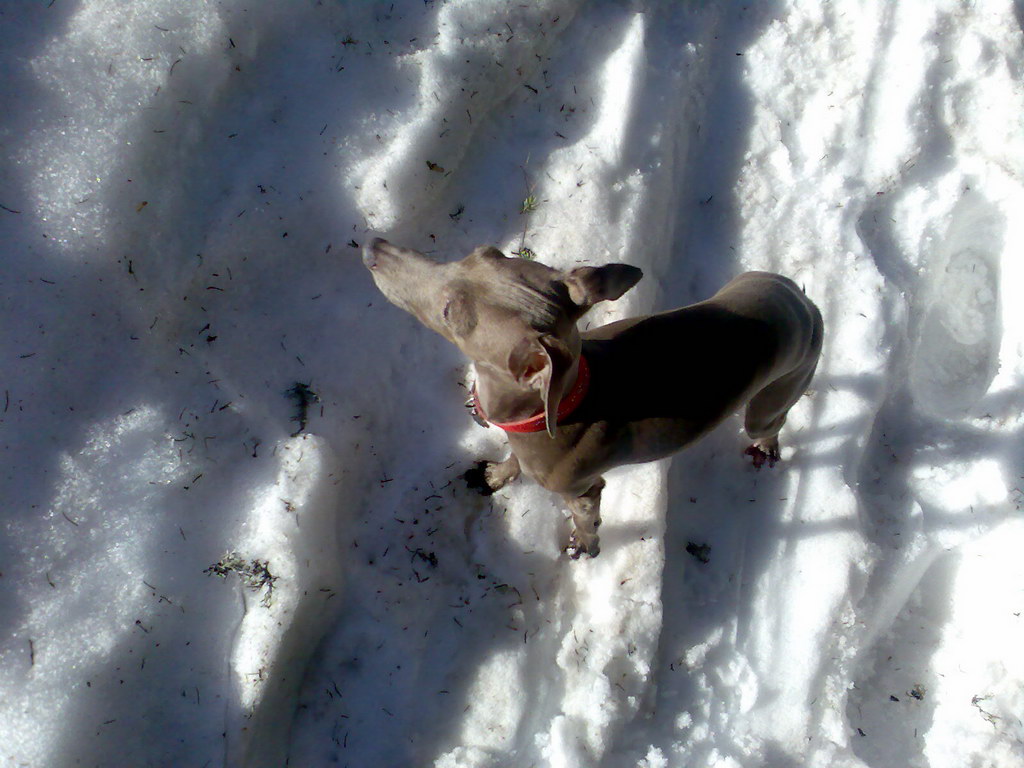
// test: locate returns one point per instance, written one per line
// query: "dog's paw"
(576, 548)
(770, 454)
(476, 478)
(486, 477)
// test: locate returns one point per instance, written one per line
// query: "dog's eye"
(458, 315)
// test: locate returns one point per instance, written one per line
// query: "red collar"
(536, 423)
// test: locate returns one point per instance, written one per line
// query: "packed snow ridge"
(233, 527)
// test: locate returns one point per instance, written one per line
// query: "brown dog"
(576, 405)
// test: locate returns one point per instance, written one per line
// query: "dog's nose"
(370, 251)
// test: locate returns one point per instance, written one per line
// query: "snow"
(183, 186)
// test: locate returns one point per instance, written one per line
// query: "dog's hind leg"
(767, 410)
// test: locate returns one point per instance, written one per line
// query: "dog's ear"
(589, 285)
(486, 252)
(541, 363)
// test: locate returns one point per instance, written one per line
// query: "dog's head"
(514, 318)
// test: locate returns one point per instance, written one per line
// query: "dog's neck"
(505, 405)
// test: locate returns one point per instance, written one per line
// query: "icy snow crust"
(183, 187)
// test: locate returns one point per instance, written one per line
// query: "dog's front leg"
(490, 476)
(586, 518)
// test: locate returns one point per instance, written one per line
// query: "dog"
(574, 405)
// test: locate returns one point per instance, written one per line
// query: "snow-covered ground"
(183, 187)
